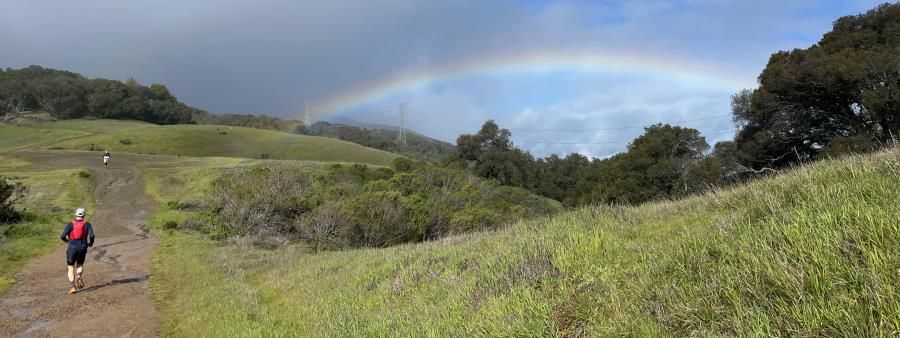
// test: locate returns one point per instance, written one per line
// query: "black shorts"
(74, 255)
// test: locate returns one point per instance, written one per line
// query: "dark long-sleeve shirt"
(78, 243)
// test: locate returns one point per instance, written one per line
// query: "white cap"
(79, 212)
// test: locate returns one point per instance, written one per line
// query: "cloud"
(602, 123)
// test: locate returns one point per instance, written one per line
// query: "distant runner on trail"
(80, 235)
(106, 157)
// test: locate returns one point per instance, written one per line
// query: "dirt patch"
(116, 300)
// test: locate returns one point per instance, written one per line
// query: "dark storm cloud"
(264, 56)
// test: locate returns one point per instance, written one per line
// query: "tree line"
(665, 162)
(69, 95)
(839, 96)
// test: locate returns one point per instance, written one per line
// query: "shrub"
(360, 206)
(403, 164)
(474, 218)
(170, 225)
(183, 205)
(323, 227)
(380, 219)
(261, 200)
(10, 195)
(84, 174)
(126, 141)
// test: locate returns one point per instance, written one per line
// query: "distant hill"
(360, 124)
(220, 141)
(417, 145)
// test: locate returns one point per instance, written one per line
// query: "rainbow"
(686, 71)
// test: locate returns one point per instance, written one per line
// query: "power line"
(616, 128)
(578, 143)
(433, 116)
(714, 132)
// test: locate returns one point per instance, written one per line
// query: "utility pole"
(306, 103)
(402, 108)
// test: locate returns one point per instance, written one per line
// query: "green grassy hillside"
(12, 137)
(52, 195)
(813, 252)
(197, 140)
(94, 126)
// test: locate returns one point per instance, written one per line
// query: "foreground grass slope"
(205, 140)
(813, 252)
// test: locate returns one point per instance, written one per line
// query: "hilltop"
(188, 140)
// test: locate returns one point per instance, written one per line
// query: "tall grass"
(814, 252)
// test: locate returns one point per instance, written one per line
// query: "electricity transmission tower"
(306, 103)
(402, 109)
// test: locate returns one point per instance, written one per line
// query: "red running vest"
(77, 230)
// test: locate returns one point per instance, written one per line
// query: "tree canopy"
(840, 95)
(665, 162)
(67, 95)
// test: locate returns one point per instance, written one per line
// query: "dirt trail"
(116, 300)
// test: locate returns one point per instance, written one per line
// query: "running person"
(106, 157)
(80, 235)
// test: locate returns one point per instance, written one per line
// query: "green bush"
(10, 195)
(474, 218)
(84, 174)
(170, 225)
(381, 219)
(359, 206)
(403, 164)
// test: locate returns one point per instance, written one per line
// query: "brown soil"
(116, 299)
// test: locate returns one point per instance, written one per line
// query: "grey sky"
(268, 56)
